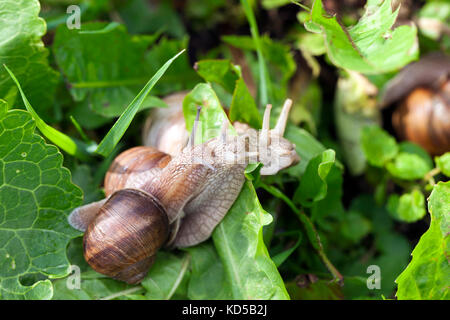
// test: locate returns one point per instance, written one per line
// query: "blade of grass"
(282, 256)
(70, 145)
(118, 130)
(264, 79)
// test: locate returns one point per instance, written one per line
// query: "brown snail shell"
(424, 118)
(132, 167)
(421, 95)
(126, 234)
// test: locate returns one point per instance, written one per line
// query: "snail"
(155, 200)
(422, 94)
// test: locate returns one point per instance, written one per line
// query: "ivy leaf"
(313, 185)
(36, 196)
(378, 146)
(370, 46)
(166, 275)
(408, 207)
(426, 276)
(443, 163)
(23, 51)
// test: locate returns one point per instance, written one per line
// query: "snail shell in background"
(165, 128)
(424, 118)
(421, 92)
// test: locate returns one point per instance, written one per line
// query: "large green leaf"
(238, 238)
(239, 242)
(110, 79)
(22, 50)
(243, 107)
(109, 76)
(166, 276)
(427, 276)
(36, 196)
(208, 280)
(370, 46)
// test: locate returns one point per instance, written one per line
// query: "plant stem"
(310, 230)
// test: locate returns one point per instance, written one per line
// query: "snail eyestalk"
(194, 129)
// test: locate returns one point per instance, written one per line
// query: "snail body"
(155, 200)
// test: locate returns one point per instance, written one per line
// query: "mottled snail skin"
(424, 118)
(125, 235)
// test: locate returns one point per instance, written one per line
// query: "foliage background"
(359, 196)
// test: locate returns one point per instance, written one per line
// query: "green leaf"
(313, 186)
(428, 273)
(413, 148)
(180, 76)
(108, 79)
(212, 115)
(238, 238)
(355, 226)
(208, 280)
(243, 107)
(365, 46)
(280, 66)
(165, 276)
(408, 207)
(72, 146)
(93, 287)
(23, 51)
(239, 243)
(408, 166)
(118, 130)
(378, 146)
(222, 72)
(443, 163)
(36, 196)
(318, 289)
(282, 256)
(306, 146)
